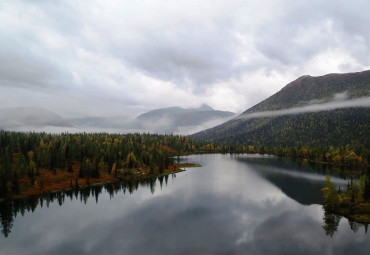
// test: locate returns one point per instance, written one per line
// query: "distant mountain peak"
(297, 82)
(177, 119)
(205, 107)
(307, 89)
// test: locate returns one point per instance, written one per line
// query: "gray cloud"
(187, 130)
(162, 54)
(192, 52)
(303, 30)
(20, 67)
(35, 117)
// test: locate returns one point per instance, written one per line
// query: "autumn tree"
(330, 195)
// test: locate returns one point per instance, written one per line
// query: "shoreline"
(100, 181)
(301, 158)
(353, 204)
(359, 213)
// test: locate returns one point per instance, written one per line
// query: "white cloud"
(107, 57)
(339, 102)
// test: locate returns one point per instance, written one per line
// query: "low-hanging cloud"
(362, 102)
(187, 130)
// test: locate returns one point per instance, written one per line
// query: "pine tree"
(15, 184)
(330, 195)
(70, 169)
(367, 189)
(81, 174)
(151, 167)
(76, 184)
(3, 187)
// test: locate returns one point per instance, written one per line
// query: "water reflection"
(301, 182)
(331, 221)
(9, 209)
(228, 206)
(299, 166)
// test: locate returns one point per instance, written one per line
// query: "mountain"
(307, 111)
(165, 120)
(179, 120)
(30, 117)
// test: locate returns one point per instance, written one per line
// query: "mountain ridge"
(164, 120)
(16, 117)
(335, 127)
(307, 88)
(176, 118)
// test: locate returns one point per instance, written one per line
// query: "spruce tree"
(76, 184)
(15, 184)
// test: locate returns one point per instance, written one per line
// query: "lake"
(233, 204)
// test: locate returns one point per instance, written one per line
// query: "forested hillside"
(339, 127)
(313, 90)
(35, 162)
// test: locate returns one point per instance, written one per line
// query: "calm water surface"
(233, 204)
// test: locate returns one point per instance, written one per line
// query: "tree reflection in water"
(10, 209)
(331, 221)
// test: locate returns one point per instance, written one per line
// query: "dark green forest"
(39, 158)
(353, 202)
(32, 163)
(337, 128)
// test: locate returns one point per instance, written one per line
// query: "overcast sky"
(107, 58)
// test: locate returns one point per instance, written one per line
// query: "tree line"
(352, 202)
(22, 155)
(9, 209)
(341, 155)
